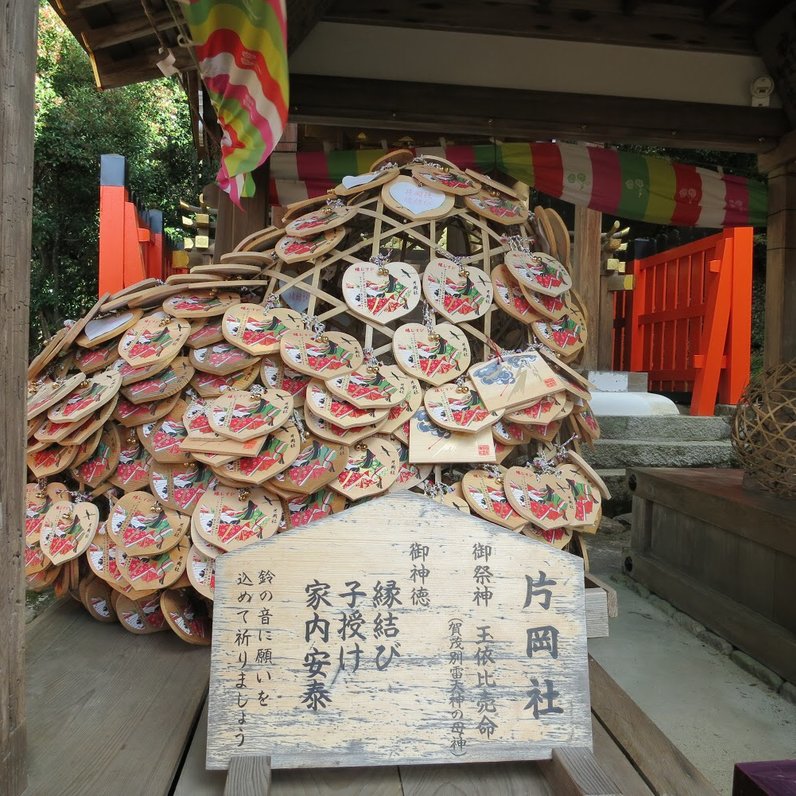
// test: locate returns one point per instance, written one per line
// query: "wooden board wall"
(17, 70)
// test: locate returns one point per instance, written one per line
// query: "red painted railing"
(687, 322)
(131, 242)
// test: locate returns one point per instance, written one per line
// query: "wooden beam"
(389, 104)
(776, 43)
(17, 72)
(235, 223)
(111, 73)
(121, 32)
(680, 27)
(573, 771)
(586, 276)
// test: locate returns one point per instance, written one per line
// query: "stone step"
(616, 480)
(621, 453)
(670, 428)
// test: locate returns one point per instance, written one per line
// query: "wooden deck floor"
(113, 714)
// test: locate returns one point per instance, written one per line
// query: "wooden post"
(17, 72)
(586, 276)
(235, 223)
(249, 776)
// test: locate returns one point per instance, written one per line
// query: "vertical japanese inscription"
(458, 742)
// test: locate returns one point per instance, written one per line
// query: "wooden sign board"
(398, 632)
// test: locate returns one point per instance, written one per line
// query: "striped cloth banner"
(624, 184)
(241, 47)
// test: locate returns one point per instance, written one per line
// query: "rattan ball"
(764, 430)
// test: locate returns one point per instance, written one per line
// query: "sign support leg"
(249, 775)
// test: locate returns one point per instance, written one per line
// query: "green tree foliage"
(148, 123)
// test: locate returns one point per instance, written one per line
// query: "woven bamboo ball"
(764, 430)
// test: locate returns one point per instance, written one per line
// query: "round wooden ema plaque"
(296, 209)
(311, 224)
(231, 518)
(140, 617)
(221, 359)
(381, 292)
(109, 327)
(317, 463)
(371, 468)
(353, 184)
(158, 571)
(381, 387)
(186, 615)
(414, 201)
(200, 303)
(292, 249)
(258, 330)
(156, 337)
(179, 486)
(446, 179)
(435, 356)
(243, 415)
(323, 355)
(336, 410)
(142, 526)
(202, 572)
(458, 292)
(484, 492)
(458, 407)
(67, 530)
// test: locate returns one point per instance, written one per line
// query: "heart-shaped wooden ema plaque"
(539, 497)
(35, 560)
(90, 360)
(221, 359)
(103, 461)
(68, 529)
(51, 460)
(179, 486)
(43, 395)
(200, 303)
(278, 376)
(557, 537)
(141, 617)
(401, 413)
(318, 462)
(96, 597)
(409, 474)
(589, 472)
(409, 199)
(156, 337)
(486, 496)
(132, 375)
(316, 221)
(162, 385)
(584, 497)
(552, 307)
(339, 411)
(211, 385)
(381, 292)
(567, 335)
(166, 438)
(539, 272)
(356, 183)
(90, 396)
(435, 356)
(279, 452)
(37, 504)
(205, 332)
(445, 179)
(453, 496)
(292, 249)
(325, 429)
(510, 298)
(202, 572)
(129, 414)
(541, 411)
(512, 433)
(304, 509)
(371, 469)
(459, 408)
(231, 518)
(370, 387)
(132, 472)
(85, 450)
(158, 571)
(244, 415)
(258, 330)
(186, 615)
(458, 292)
(497, 207)
(324, 355)
(142, 526)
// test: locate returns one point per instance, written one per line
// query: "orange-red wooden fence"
(132, 246)
(688, 320)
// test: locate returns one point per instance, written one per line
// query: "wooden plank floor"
(109, 713)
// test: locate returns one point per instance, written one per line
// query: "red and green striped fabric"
(241, 47)
(624, 184)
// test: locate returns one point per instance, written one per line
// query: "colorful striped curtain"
(241, 47)
(623, 184)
